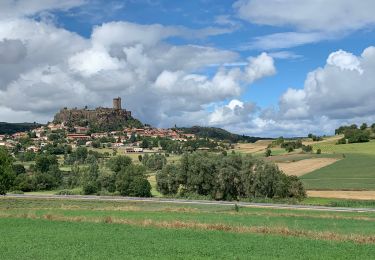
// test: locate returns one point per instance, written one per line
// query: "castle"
(100, 117)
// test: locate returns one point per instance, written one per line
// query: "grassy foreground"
(61, 229)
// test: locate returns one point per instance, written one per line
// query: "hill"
(98, 119)
(219, 134)
(11, 128)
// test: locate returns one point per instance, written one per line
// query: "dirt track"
(302, 167)
(342, 194)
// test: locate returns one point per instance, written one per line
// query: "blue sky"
(255, 67)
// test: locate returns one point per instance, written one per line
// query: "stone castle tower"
(117, 103)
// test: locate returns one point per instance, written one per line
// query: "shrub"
(89, 188)
(65, 192)
(307, 148)
(319, 151)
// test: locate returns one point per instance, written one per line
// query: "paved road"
(198, 202)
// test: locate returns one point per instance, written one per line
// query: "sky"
(257, 67)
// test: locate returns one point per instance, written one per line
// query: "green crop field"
(354, 172)
(74, 229)
(331, 147)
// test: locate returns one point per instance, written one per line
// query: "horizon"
(258, 68)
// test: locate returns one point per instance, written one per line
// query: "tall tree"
(6, 172)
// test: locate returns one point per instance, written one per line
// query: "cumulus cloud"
(341, 92)
(161, 83)
(342, 89)
(234, 112)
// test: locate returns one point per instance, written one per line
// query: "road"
(185, 201)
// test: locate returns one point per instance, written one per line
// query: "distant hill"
(219, 134)
(11, 128)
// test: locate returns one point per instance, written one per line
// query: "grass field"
(72, 229)
(331, 147)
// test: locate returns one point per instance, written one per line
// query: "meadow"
(139, 230)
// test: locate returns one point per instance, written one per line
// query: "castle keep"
(100, 117)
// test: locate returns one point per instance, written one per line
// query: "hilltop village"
(83, 127)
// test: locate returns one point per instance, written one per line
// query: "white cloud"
(342, 89)
(92, 61)
(344, 60)
(21, 8)
(310, 15)
(284, 55)
(285, 40)
(305, 22)
(161, 83)
(342, 92)
(235, 112)
(259, 67)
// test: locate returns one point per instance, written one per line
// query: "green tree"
(167, 179)
(89, 179)
(363, 126)
(6, 172)
(118, 163)
(44, 161)
(154, 162)
(132, 181)
(146, 143)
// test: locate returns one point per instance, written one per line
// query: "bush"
(319, 151)
(17, 192)
(268, 153)
(65, 192)
(19, 169)
(89, 188)
(307, 148)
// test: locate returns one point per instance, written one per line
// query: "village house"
(39, 132)
(81, 130)
(78, 137)
(55, 127)
(99, 135)
(33, 149)
(19, 135)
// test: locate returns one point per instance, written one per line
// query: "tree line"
(228, 177)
